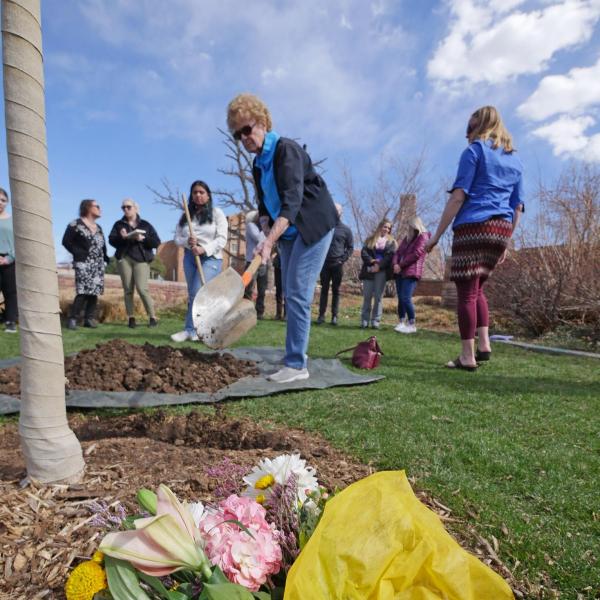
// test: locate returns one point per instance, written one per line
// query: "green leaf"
(218, 576)
(122, 580)
(225, 591)
(155, 583)
(177, 595)
(262, 596)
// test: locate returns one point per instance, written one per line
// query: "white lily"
(162, 544)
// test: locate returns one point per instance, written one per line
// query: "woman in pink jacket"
(407, 265)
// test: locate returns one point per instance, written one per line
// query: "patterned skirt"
(477, 247)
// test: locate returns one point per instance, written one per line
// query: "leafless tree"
(243, 197)
(169, 196)
(240, 168)
(399, 190)
(553, 279)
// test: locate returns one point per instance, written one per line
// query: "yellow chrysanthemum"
(87, 579)
(98, 557)
(260, 498)
(266, 481)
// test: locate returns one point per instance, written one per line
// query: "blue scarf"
(264, 161)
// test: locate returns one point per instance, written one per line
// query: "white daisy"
(269, 472)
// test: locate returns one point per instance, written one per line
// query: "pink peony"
(244, 559)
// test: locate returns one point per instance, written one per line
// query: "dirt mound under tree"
(118, 366)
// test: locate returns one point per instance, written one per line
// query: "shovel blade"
(238, 321)
(219, 312)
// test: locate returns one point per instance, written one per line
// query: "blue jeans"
(300, 268)
(211, 268)
(405, 287)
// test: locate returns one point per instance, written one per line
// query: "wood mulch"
(45, 530)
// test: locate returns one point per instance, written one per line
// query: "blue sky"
(135, 89)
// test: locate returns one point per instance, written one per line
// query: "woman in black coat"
(84, 239)
(377, 254)
(135, 240)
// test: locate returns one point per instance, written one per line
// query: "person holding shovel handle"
(204, 236)
(296, 212)
(485, 204)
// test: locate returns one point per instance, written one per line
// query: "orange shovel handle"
(252, 268)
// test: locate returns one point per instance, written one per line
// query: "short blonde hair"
(490, 126)
(248, 107)
(132, 201)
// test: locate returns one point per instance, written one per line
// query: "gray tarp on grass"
(324, 373)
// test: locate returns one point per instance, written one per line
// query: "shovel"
(220, 312)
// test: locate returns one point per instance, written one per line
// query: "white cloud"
(176, 69)
(572, 101)
(568, 137)
(345, 23)
(492, 42)
(572, 93)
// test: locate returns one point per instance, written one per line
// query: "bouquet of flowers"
(239, 548)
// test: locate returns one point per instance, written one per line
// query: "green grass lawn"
(513, 448)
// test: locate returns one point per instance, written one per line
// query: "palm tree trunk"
(52, 452)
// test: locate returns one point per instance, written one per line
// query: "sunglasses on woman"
(126, 207)
(245, 131)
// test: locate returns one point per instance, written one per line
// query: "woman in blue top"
(484, 208)
(296, 211)
(8, 283)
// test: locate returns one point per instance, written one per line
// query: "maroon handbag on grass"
(366, 354)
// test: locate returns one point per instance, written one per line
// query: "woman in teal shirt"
(8, 284)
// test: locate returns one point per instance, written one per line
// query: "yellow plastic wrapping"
(376, 541)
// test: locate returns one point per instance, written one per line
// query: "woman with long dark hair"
(209, 226)
(84, 239)
(8, 283)
(484, 208)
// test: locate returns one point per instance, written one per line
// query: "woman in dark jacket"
(296, 211)
(84, 239)
(407, 264)
(135, 241)
(376, 269)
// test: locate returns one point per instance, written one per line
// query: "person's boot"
(72, 324)
(279, 311)
(132, 324)
(334, 320)
(320, 320)
(91, 323)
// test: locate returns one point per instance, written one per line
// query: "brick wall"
(164, 293)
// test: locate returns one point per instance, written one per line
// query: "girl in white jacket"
(209, 226)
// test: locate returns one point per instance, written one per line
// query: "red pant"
(472, 307)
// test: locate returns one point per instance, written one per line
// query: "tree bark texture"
(52, 452)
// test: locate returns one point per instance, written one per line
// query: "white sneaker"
(287, 375)
(410, 328)
(401, 327)
(193, 337)
(181, 336)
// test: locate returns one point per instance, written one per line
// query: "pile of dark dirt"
(118, 366)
